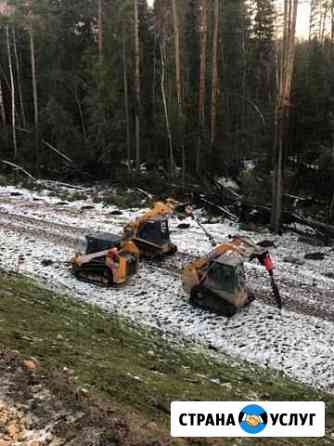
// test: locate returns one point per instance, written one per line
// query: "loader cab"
(226, 278)
(154, 231)
(100, 241)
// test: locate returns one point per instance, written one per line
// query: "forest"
(181, 90)
(166, 222)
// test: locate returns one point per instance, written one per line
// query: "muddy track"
(311, 301)
(47, 225)
(42, 234)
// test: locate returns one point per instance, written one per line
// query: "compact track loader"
(110, 259)
(217, 281)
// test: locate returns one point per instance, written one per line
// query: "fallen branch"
(314, 224)
(220, 208)
(50, 146)
(56, 151)
(147, 194)
(234, 194)
(47, 183)
(21, 169)
(23, 130)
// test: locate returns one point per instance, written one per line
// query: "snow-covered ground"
(298, 341)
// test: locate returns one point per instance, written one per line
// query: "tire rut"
(316, 301)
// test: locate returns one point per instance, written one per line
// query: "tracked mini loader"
(108, 260)
(217, 281)
(147, 236)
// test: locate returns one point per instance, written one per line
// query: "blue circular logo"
(253, 419)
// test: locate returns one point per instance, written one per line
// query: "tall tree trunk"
(126, 101)
(137, 84)
(35, 95)
(81, 113)
(202, 80)
(179, 85)
(154, 81)
(177, 55)
(164, 101)
(19, 84)
(12, 88)
(2, 107)
(100, 30)
(243, 78)
(324, 14)
(282, 108)
(332, 19)
(214, 71)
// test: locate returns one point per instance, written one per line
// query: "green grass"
(134, 367)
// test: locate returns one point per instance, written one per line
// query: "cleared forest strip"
(40, 233)
(310, 300)
(46, 224)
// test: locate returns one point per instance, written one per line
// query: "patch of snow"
(300, 345)
(229, 183)
(249, 164)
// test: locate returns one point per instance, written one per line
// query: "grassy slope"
(134, 368)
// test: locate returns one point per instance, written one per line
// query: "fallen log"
(314, 224)
(54, 183)
(21, 169)
(58, 152)
(144, 192)
(227, 190)
(219, 208)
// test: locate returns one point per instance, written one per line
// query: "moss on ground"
(134, 367)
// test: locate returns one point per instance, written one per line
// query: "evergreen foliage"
(82, 103)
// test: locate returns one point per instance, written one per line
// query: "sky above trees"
(303, 17)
